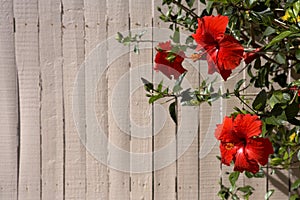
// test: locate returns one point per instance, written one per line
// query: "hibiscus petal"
(242, 163)
(216, 25)
(259, 149)
(213, 67)
(250, 56)
(247, 126)
(230, 53)
(169, 68)
(224, 131)
(227, 154)
(165, 46)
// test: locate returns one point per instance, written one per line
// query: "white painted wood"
(95, 35)
(27, 60)
(188, 162)
(73, 53)
(118, 114)
(8, 105)
(165, 164)
(52, 116)
(140, 110)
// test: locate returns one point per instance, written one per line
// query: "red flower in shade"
(250, 56)
(169, 67)
(296, 89)
(224, 51)
(240, 142)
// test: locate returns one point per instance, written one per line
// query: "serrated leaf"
(296, 185)
(260, 100)
(172, 111)
(190, 3)
(269, 194)
(278, 38)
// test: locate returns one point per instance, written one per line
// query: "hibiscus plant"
(260, 38)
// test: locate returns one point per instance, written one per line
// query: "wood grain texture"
(140, 110)
(52, 110)
(73, 53)
(165, 130)
(118, 114)
(95, 35)
(8, 105)
(27, 60)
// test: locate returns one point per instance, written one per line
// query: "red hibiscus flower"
(240, 143)
(169, 67)
(250, 56)
(224, 51)
(296, 89)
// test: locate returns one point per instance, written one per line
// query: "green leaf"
(278, 38)
(159, 87)
(277, 121)
(233, 177)
(296, 185)
(155, 98)
(209, 5)
(269, 30)
(246, 189)
(260, 100)
(190, 3)
(294, 197)
(269, 194)
(298, 54)
(172, 111)
(119, 37)
(292, 110)
(296, 8)
(177, 87)
(275, 161)
(280, 58)
(239, 84)
(176, 36)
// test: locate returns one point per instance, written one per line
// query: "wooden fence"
(43, 43)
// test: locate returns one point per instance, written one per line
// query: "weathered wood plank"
(27, 60)
(119, 132)
(95, 34)
(52, 127)
(73, 53)
(140, 110)
(8, 105)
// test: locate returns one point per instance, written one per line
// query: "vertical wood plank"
(165, 174)
(119, 181)
(140, 110)
(95, 34)
(73, 52)
(52, 130)
(27, 59)
(188, 137)
(8, 105)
